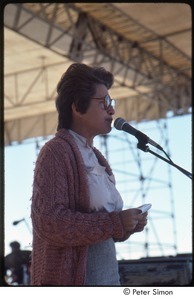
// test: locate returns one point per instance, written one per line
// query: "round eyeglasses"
(107, 101)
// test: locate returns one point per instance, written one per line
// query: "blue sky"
(20, 162)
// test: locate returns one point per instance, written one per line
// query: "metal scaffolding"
(152, 77)
(138, 177)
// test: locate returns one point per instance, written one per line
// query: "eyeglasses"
(107, 101)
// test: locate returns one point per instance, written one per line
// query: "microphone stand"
(142, 146)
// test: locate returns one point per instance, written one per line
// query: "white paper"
(144, 207)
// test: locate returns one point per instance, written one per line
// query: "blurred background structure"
(148, 49)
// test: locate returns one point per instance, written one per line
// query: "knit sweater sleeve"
(54, 212)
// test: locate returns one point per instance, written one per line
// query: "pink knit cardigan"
(63, 226)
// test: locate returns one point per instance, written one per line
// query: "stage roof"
(146, 46)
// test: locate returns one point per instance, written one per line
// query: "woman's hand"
(141, 223)
(132, 220)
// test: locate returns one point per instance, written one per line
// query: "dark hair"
(78, 85)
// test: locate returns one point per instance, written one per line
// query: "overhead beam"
(148, 59)
(29, 110)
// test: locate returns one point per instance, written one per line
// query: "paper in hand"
(144, 208)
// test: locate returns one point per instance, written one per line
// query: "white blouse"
(103, 193)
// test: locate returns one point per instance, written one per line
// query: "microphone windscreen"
(118, 123)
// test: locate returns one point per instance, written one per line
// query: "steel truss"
(141, 179)
(25, 115)
(144, 63)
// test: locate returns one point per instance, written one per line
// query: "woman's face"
(96, 120)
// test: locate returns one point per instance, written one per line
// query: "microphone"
(121, 124)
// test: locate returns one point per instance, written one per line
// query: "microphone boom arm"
(143, 139)
(142, 146)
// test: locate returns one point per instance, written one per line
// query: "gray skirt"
(102, 265)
